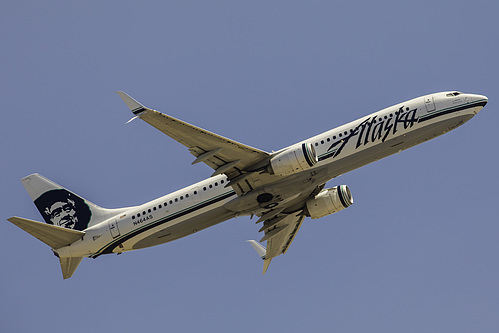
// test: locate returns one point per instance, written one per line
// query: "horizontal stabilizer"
(54, 236)
(69, 265)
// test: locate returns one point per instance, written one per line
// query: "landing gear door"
(113, 228)
(429, 103)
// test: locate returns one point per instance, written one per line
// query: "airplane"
(281, 188)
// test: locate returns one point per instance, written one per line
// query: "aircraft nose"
(485, 100)
(481, 99)
(478, 102)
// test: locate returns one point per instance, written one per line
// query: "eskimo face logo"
(64, 209)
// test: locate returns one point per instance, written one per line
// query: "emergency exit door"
(429, 103)
(113, 228)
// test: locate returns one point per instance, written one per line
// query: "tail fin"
(63, 208)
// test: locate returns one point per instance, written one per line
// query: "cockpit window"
(456, 93)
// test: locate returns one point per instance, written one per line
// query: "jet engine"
(329, 201)
(298, 158)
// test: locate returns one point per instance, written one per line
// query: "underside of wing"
(280, 230)
(238, 161)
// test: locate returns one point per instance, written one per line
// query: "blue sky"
(418, 250)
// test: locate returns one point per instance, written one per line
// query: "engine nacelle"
(295, 159)
(329, 201)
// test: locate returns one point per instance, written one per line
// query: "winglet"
(259, 248)
(134, 106)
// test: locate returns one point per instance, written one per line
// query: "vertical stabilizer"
(63, 208)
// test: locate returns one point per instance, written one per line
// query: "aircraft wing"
(224, 155)
(280, 230)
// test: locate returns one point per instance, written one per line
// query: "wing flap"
(279, 242)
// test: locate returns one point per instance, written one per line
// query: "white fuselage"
(339, 150)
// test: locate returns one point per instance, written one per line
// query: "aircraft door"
(113, 228)
(429, 103)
